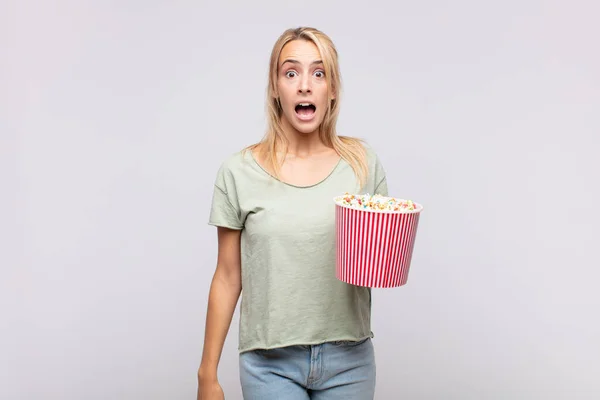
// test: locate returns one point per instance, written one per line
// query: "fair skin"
(225, 291)
(308, 161)
(301, 79)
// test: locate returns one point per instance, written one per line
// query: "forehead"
(304, 51)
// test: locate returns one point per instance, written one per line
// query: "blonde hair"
(350, 149)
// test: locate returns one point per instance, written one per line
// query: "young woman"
(303, 333)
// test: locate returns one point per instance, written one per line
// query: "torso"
(291, 294)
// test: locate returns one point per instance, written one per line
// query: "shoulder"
(375, 166)
(362, 146)
(370, 154)
(231, 167)
(237, 162)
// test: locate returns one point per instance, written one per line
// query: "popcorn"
(375, 202)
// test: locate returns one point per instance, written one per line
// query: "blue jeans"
(328, 371)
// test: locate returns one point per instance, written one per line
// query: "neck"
(302, 144)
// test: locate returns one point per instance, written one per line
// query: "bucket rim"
(418, 208)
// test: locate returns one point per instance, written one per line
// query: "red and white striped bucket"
(374, 248)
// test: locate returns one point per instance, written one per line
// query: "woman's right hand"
(210, 390)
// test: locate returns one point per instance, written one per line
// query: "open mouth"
(305, 110)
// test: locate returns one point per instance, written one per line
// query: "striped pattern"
(374, 249)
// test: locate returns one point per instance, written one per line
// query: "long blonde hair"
(349, 148)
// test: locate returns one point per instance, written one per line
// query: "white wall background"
(116, 115)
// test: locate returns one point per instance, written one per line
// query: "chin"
(306, 127)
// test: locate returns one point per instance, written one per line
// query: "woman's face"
(302, 87)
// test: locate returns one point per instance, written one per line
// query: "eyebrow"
(290, 60)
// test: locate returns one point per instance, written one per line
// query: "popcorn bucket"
(374, 247)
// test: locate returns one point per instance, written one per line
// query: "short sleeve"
(224, 209)
(380, 178)
(382, 187)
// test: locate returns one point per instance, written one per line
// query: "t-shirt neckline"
(291, 184)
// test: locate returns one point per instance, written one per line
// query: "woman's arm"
(225, 290)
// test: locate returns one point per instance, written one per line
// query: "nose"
(304, 85)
